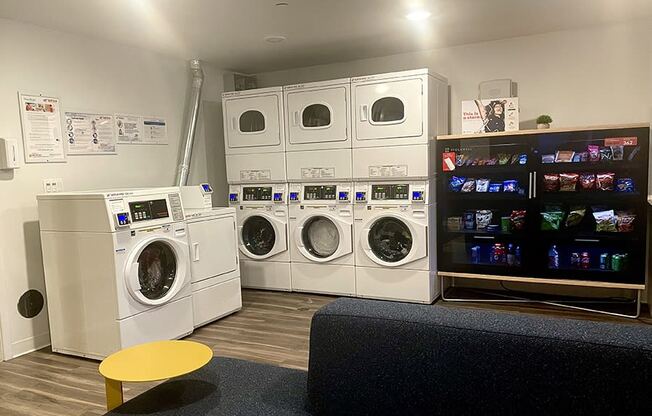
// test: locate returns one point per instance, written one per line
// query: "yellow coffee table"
(153, 361)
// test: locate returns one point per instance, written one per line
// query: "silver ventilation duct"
(191, 122)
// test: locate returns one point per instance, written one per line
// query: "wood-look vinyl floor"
(272, 327)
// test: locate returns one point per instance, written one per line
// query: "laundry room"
(288, 207)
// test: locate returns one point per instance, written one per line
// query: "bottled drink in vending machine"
(517, 256)
(585, 260)
(553, 257)
(475, 254)
(511, 258)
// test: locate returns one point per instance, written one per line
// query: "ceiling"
(230, 33)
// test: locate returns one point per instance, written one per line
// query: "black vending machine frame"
(485, 156)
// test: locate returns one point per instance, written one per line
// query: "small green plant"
(544, 119)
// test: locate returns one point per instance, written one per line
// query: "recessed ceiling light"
(417, 15)
(282, 3)
(275, 38)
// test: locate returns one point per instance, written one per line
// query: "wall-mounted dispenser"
(8, 154)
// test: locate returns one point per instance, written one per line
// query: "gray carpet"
(225, 387)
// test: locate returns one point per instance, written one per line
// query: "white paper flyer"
(129, 128)
(41, 121)
(90, 134)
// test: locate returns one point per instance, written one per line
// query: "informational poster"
(132, 129)
(155, 131)
(491, 115)
(89, 133)
(128, 128)
(41, 121)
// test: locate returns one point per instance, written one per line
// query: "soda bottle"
(517, 256)
(511, 258)
(553, 257)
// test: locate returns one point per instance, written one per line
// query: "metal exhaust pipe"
(191, 122)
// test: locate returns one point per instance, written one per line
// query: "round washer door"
(322, 238)
(156, 270)
(261, 236)
(391, 240)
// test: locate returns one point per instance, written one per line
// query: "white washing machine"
(214, 262)
(254, 135)
(394, 116)
(321, 238)
(117, 269)
(394, 250)
(318, 130)
(262, 214)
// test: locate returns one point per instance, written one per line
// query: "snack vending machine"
(563, 204)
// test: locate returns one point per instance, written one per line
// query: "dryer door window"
(320, 237)
(252, 121)
(315, 116)
(258, 235)
(157, 269)
(390, 239)
(387, 110)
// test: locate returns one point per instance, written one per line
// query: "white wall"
(583, 77)
(97, 76)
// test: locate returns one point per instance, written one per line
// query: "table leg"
(114, 396)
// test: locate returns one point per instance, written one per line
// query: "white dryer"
(394, 248)
(394, 116)
(321, 238)
(254, 135)
(262, 214)
(214, 262)
(318, 130)
(117, 269)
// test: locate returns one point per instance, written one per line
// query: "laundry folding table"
(153, 361)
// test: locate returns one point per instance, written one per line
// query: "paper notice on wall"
(41, 121)
(491, 115)
(128, 128)
(155, 131)
(89, 134)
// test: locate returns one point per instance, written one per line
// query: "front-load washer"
(117, 269)
(254, 135)
(262, 214)
(318, 130)
(394, 116)
(394, 242)
(214, 261)
(321, 238)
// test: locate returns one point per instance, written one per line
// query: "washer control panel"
(403, 193)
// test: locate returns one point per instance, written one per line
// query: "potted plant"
(543, 121)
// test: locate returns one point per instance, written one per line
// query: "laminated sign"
(489, 116)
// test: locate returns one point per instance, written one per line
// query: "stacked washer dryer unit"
(394, 117)
(117, 269)
(319, 167)
(214, 264)
(254, 141)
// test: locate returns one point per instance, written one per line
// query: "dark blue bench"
(385, 358)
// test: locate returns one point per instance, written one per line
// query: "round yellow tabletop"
(153, 361)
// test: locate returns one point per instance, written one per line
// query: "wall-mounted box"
(8, 154)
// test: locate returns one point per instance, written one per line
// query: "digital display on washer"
(148, 210)
(316, 192)
(390, 191)
(257, 193)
